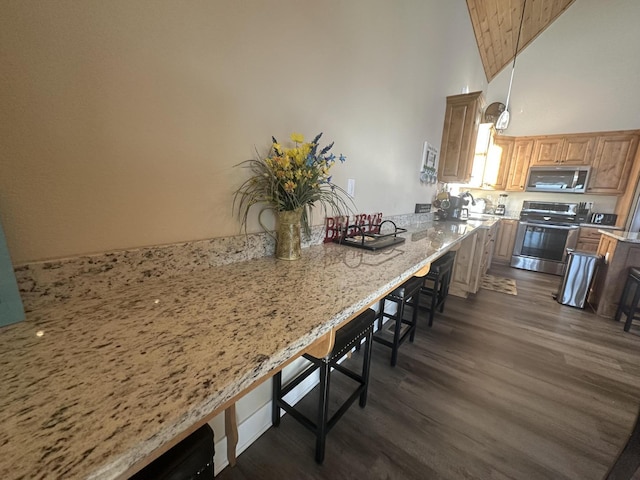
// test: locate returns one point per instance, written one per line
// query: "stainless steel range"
(545, 232)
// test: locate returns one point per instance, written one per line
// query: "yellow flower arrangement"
(291, 178)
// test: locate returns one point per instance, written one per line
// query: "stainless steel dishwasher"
(581, 268)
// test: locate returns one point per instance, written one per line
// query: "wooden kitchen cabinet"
(577, 150)
(588, 239)
(499, 161)
(473, 259)
(520, 161)
(489, 243)
(559, 150)
(459, 135)
(612, 161)
(505, 241)
(547, 151)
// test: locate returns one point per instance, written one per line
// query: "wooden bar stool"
(394, 333)
(347, 338)
(436, 284)
(630, 299)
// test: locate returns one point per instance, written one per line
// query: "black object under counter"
(191, 458)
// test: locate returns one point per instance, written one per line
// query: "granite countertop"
(90, 386)
(629, 237)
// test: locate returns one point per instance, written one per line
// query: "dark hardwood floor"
(501, 387)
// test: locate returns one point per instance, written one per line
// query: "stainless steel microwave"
(558, 179)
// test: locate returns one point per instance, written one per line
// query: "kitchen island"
(100, 380)
(620, 250)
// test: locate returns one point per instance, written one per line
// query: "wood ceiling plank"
(496, 24)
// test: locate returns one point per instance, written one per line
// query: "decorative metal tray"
(370, 238)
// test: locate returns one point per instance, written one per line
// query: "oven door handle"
(546, 225)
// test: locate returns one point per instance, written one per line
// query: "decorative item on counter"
(290, 182)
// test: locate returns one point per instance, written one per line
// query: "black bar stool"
(394, 333)
(191, 458)
(346, 339)
(630, 298)
(436, 284)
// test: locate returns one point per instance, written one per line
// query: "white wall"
(579, 75)
(121, 123)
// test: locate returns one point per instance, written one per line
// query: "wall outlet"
(351, 187)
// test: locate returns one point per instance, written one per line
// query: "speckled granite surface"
(630, 237)
(94, 382)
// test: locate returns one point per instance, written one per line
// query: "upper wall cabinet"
(461, 121)
(547, 150)
(577, 149)
(563, 150)
(614, 154)
(520, 161)
(499, 161)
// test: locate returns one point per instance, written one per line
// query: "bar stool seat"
(630, 299)
(436, 284)
(394, 334)
(347, 338)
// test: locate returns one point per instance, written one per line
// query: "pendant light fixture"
(503, 120)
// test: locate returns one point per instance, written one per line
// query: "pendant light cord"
(513, 68)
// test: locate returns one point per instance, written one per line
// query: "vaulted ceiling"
(496, 24)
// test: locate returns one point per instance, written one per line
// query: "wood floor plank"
(501, 387)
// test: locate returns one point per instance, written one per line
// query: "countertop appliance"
(453, 209)
(558, 179)
(580, 271)
(372, 237)
(545, 233)
(501, 208)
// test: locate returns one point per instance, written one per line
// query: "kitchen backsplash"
(601, 203)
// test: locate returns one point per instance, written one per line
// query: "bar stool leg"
(366, 365)
(631, 313)
(625, 293)
(275, 408)
(434, 300)
(396, 334)
(445, 289)
(323, 410)
(414, 316)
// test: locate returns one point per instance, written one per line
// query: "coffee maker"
(451, 209)
(501, 208)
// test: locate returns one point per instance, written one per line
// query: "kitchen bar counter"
(93, 385)
(629, 237)
(619, 250)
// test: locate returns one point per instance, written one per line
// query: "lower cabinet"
(473, 258)
(505, 240)
(607, 286)
(588, 239)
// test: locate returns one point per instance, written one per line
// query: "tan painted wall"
(122, 120)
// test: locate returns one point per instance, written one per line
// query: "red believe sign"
(336, 227)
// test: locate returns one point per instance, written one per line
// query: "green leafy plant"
(291, 178)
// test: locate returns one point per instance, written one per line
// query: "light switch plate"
(351, 187)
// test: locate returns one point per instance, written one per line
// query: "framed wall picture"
(429, 164)
(11, 309)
